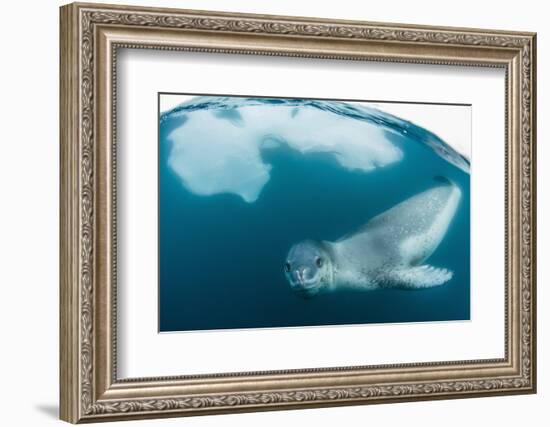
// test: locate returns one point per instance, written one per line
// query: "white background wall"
(29, 170)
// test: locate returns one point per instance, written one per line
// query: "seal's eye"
(287, 267)
(319, 262)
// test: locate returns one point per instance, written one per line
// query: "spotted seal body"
(387, 252)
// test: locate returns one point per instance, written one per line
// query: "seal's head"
(308, 268)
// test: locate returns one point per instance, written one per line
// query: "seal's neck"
(329, 278)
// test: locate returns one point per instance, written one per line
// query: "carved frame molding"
(90, 36)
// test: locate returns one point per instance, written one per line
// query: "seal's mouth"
(299, 279)
(304, 287)
(310, 284)
(306, 284)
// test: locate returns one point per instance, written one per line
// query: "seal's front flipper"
(420, 277)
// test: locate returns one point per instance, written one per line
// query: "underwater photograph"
(294, 212)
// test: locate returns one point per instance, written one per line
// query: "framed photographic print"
(265, 212)
(289, 212)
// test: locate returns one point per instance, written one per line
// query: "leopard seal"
(387, 252)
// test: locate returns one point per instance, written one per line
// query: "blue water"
(221, 254)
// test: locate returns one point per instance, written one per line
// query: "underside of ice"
(218, 150)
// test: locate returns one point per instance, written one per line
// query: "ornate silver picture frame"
(92, 36)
